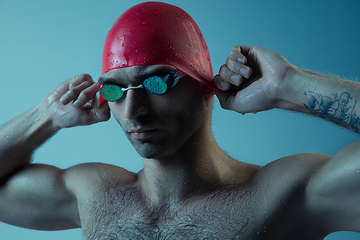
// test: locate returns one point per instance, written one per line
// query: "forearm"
(20, 137)
(333, 99)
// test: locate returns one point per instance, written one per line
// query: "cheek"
(179, 98)
(183, 112)
(166, 106)
(116, 112)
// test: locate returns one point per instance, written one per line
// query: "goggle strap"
(177, 76)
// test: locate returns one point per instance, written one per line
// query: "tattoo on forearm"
(339, 109)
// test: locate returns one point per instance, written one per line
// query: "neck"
(199, 165)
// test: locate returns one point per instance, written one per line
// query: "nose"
(135, 104)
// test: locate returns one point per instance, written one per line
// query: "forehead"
(134, 74)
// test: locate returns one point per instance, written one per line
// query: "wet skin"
(182, 192)
(189, 188)
(268, 206)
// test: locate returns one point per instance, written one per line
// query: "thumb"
(226, 99)
(98, 113)
(101, 114)
(247, 100)
(225, 96)
(101, 109)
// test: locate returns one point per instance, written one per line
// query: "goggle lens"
(111, 92)
(155, 84)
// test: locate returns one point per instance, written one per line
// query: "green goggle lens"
(111, 92)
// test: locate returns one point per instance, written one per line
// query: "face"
(156, 125)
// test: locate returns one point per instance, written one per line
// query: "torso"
(267, 207)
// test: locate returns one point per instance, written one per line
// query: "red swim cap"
(154, 33)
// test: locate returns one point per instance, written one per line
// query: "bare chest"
(226, 214)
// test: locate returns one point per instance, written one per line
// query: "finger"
(245, 50)
(103, 112)
(72, 94)
(96, 103)
(79, 79)
(246, 100)
(238, 68)
(221, 84)
(100, 114)
(225, 98)
(86, 95)
(237, 55)
(61, 89)
(229, 76)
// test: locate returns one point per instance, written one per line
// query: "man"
(189, 188)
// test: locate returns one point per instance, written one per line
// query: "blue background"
(45, 42)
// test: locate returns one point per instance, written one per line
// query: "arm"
(38, 196)
(269, 81)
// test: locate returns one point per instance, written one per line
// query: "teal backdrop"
(45, 42)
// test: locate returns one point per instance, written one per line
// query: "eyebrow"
(102, 80)
(142, 76)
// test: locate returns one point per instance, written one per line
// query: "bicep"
(333, 193)
(36, 197)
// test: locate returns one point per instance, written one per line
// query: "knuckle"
(228, 61)
(72, 85)
(87, 93)
(223, 70)
(72, 93)
(83, 96)
(78, 79)
(235, 48)
(83, 75)
(86, 77)
(255, 48)
(235, 51)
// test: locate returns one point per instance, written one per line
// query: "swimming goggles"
(157, 84)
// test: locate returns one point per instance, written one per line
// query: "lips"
(142, 133)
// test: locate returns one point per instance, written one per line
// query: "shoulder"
(90, 177)
(292, 171)
(301, 163)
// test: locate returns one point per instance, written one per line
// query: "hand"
(252, 80)
(75, 102)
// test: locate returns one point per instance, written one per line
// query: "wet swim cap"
(154, 33)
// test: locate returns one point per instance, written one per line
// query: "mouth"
(142, 133)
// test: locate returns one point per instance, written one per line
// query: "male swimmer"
(159, 85)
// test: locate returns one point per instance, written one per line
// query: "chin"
(153, 151)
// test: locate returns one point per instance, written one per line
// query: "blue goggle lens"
(155, 84)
